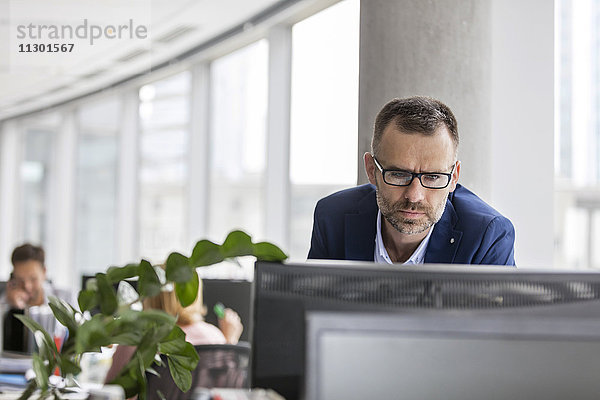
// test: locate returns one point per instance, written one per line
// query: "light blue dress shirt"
(382, 256)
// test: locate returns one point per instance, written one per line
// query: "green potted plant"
(153, 332)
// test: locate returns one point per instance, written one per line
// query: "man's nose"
(415, 192)
(28, 286)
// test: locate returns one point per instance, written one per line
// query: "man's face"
(413, 209)
(29, 276)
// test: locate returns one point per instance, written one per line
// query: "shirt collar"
(382, 256)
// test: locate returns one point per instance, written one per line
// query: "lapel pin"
(451, 240)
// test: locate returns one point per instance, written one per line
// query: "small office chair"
(220, 365)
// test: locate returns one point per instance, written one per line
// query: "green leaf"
(41, 372)
(181, 375)
(157, 316)
(178, 268)
(149, 284)
(64, 313)
(141, 377)
(67, 366)
(46, 348)
(156, 336)
(236, 244)
(34, 327)
(93, 334)
(205, 253)
(106, 295)
(87, 300)
(133, 327)
(153, 316)
(188, 357)
(31, 387)
(174, 343)
(265, 251)
(149, 345)
(188, 291)
(136, 367)
(127, 338)
(147, 353)
(117, 274)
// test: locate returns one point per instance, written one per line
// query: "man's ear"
(455, 175)
(370, 167)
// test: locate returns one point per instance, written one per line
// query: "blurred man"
(27, 290)
(28, 286)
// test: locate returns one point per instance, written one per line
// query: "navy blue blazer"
(469, 232)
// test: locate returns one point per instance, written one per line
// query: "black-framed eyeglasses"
(429, 180)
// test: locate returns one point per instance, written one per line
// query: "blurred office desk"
(13, 395)
(12, 374)
(235, 394)
(108, 392)
(13, 367)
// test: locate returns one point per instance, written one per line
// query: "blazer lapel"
(360, 230)
(444, 240)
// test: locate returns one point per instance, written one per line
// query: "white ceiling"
(30, 81)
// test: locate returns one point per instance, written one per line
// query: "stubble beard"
(392, 212)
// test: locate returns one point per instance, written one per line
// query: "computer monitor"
(464, 356)
(234, 294)
(283, 293)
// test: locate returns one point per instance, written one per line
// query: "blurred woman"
(191, 320)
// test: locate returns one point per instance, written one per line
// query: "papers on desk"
(11, 363)
(12, 373)
(13, 380)
(11, 384)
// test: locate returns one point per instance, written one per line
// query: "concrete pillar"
(491, 62)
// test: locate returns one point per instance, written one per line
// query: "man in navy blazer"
(413, 211)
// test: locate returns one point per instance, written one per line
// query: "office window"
(238, 141)
(324, 113)
(164, 133)
(35, 177)
(577, 140)
(96, 186)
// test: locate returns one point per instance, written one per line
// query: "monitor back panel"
(285, 292)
